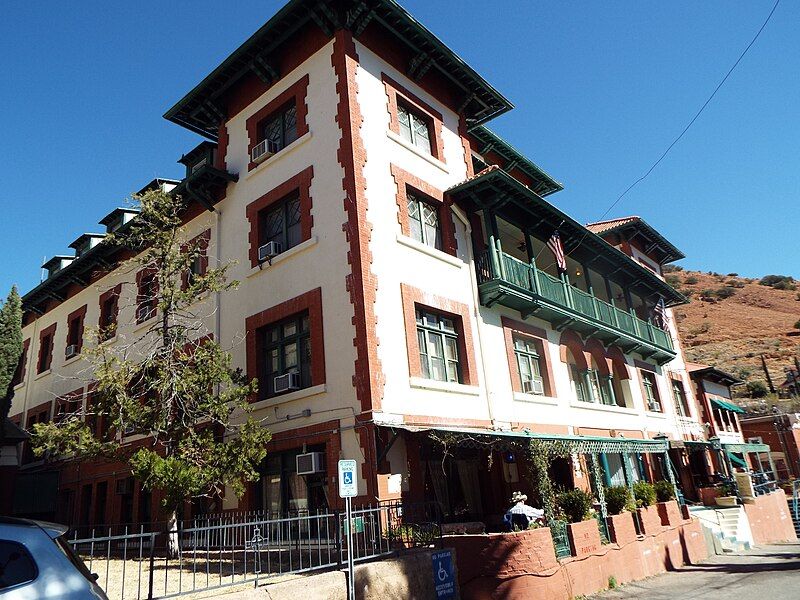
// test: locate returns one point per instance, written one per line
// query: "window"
(46, 349)
(414, 128)
(109, 309)
(286, 349)
(578, 380)
(147, 297)
(19, 373)
(601, 387)
(530, 372)
(282, 223)
(18, 566)
(199, 259)
(75, 332)
(651, 397)
(679, 395)
(423, 221)
(438, 347)
(280, 128)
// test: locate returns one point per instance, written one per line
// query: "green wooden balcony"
(505, 280)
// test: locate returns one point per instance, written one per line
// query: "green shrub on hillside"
(756, 389)
(691, 280)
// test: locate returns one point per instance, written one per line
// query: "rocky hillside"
(730, 321)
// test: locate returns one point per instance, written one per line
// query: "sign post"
(348, 488)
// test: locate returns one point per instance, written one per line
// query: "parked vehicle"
(37, 562)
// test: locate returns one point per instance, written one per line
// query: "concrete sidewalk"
(767, 572)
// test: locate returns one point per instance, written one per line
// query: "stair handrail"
(796, 499)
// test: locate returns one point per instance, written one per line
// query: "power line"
(699, 112)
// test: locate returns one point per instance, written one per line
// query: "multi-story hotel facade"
(395, 280)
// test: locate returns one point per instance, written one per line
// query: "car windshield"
(64, 546)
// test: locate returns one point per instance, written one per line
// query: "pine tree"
(172, 383)
(10, 351)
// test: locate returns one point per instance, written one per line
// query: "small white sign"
(348, 488)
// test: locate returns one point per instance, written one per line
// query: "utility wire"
(688, 126)
(697, 114)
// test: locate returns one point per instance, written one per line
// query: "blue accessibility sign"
(444, 579)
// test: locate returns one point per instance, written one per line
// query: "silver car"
(36, 562)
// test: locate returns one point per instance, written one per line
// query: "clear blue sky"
(600, 90)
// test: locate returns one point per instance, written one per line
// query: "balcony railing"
(519, 285)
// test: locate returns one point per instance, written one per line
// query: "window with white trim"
(438, 347)
(530, 369)
(651, 397)
(423, 221)
(414, 128)
(679, 395)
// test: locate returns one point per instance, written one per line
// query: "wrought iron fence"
(216, 552)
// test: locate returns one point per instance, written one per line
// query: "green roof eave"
(672, 252)
(200, 110)
(497, 182)
(546, 185)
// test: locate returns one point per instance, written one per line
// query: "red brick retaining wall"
(523, 565)
(770, 519)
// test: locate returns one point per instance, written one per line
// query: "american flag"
(660, 314)
(554, 243)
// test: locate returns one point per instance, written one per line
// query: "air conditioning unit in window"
(534, 386)
(287, 382)
(263, 150)
(310, 463)
(72, 350)
(269, 250)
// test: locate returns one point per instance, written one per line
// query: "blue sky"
(600, 90)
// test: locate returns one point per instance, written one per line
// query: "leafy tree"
(10, 350)
(173, 385)
(756, 389)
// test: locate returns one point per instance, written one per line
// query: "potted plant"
(644, 494)
(582, 528)
(667, 507)
(619, 503)
(727, 495)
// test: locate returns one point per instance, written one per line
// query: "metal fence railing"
(225, 551)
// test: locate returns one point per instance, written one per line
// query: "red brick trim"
(572, 341)
(465, 143)
(297, 92)
(403, 179)
(310, 301)
(539, 337)
(361, 282)
(22, 365)
(618, 363)
(597, 351)
(51, 331)
(34, 411)
(221, 161)
(412, 297)
(640, 364)
(300, 183)
(80, 314)
(395, 89)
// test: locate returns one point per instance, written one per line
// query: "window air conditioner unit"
(310, 463)
(124, 486)
(534, 386)
(269, 250)
(263, 150)
(287, 382)
(72, 350)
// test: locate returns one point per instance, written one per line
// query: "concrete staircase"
(725, 529)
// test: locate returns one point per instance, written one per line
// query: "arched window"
(577, 377)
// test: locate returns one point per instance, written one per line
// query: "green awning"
(744, 448)
(738, 462)
(510, 440)
(725, 405)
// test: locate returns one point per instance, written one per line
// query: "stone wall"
(770, 519)
(524, 565)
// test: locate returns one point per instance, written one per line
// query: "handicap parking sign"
(444, 581)
(348, 487)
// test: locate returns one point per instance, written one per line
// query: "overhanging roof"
(201, 109)
(636, 225)
(494, 189)
(491, 142)
(699, 371)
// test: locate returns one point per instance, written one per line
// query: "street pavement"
(767, 573)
